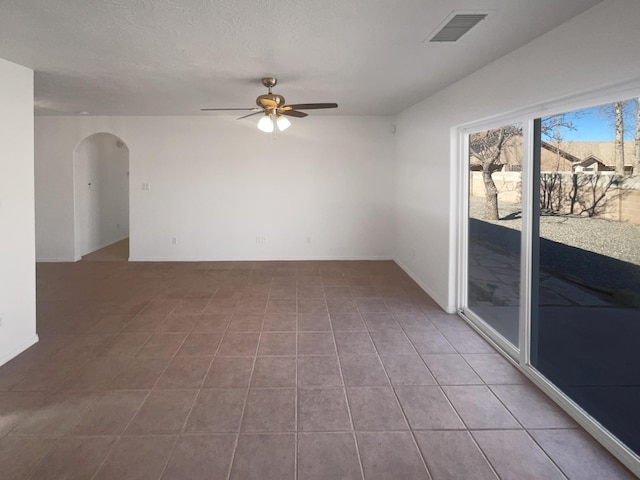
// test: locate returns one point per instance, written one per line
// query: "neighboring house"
(593, 164)
(568, 157)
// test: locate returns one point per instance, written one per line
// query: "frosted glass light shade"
(283, 123)
(266, 124)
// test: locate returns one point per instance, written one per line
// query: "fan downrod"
(269, 82)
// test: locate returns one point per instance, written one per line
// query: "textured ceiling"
(172, 57)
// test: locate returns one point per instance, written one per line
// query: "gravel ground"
(606, 237)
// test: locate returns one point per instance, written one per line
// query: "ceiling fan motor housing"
(270, 100)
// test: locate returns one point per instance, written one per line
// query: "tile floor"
(271, 370)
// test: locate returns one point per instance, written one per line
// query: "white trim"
(526, 200)
(585, 99)
(55, 260)
(458, 149)
(259, 259)
(14, 352)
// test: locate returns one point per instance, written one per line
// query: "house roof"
(174, 57)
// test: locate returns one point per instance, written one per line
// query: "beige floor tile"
(347, 322)
(274, 372)
(531, 407)
(391, 342)
(579, 456)
(387, 455)
(201, 457)
(19, 455)
(270, 410)
(246, 322)
(451, 369)
(236, 343)
(280, 323)
(162, 345)
(494, 369)
(320, 371)
(163, 413)
(375, 408)
(380, 321)
(328, 455)
(264, 457)
(139, 374)
(316, 343)
(200, 344)
(453, 454)
(230, 372)
(277, 343)
(110, 414)
(515, 456)
(137, 457)
(77, 458)
(184, 372)
(479, 408)
(363, 371)
(407, 370)
(427, 408)
(323, 409)
(314, 322)
(217, 411)
(354, 343)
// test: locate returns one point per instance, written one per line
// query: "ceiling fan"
(273, 108)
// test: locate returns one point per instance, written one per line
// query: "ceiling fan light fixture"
(283, 123)
(266, 124)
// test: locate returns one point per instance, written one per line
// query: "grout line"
(295, 411)
(395, 394)
(353, 428)
(246, 396)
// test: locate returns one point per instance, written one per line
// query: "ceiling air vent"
(457, 26)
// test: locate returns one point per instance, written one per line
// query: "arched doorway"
(101, 195)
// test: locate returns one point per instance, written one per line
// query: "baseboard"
(54, 260)
(18, 350)
(443, 304)
(244, 259)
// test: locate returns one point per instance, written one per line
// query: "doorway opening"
(101, 198)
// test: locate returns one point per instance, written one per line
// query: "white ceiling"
(172, 57)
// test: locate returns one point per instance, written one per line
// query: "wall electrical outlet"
(174, 241)
(308, 239)
(260, 240)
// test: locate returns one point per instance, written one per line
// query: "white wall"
(216, 183)
(595, 49)
(101, 185)
(17, 253)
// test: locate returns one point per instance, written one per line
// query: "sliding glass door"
(494, 229)
(586, 320)
(551, 255)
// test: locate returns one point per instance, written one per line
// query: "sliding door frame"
(521, 357)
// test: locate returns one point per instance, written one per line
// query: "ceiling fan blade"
(249, 115)
(253, 109)
(293, 113)
(310, 106)
(267, 103)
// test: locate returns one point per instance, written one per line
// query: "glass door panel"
(494, 229)
(586, 319)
